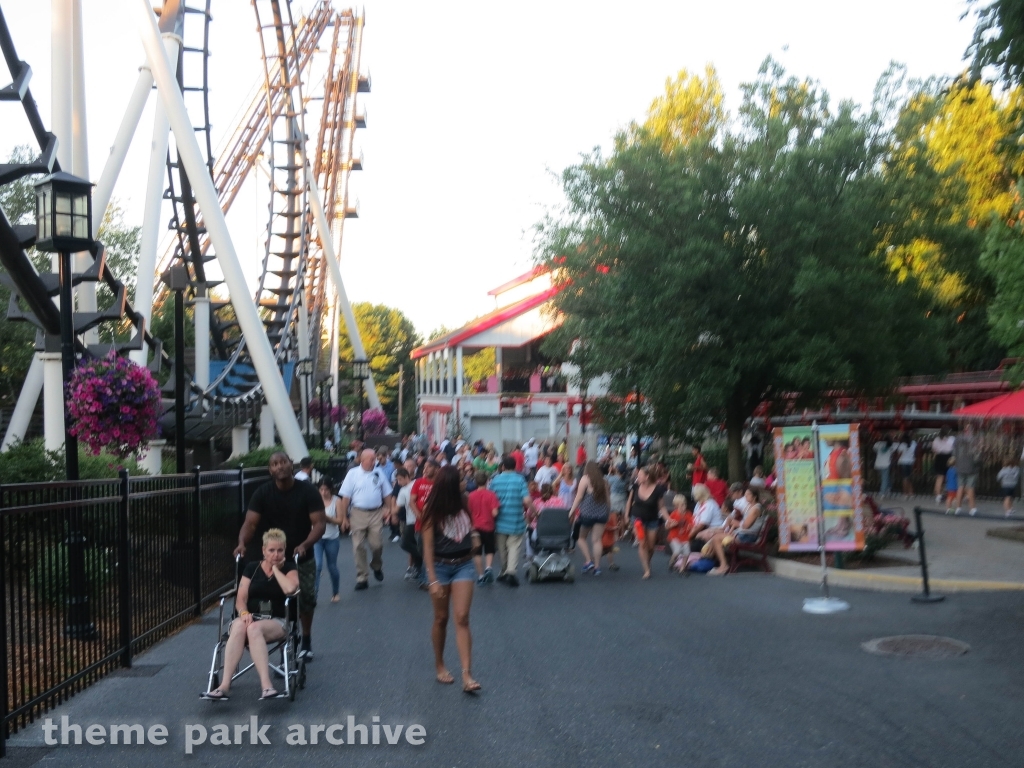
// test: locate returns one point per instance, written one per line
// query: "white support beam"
(151, 224)
(248, 316)
(459, 371)
(201, 311)
(53, 401)
(327, 243)
(26, 404)
(86, 292)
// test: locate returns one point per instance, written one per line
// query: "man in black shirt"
(296, 508)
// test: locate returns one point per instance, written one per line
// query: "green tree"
(388, 337)
(736, 267)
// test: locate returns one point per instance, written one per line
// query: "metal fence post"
(926, 596)
(124, 557)
(3, 631)
(197, 566)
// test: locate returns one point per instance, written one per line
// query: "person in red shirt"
(679, 527)
(718, 487)
(417, 498)
(698, 467)
(517, 454)
(483, 508)
(581, 456)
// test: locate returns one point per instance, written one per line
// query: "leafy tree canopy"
(738, 266)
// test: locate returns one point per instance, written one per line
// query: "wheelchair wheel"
(570, 574)
(532, 573)
(215, 681)
(301, 677)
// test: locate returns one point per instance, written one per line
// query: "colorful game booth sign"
(837, 453)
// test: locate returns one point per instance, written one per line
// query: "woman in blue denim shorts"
(448, 543)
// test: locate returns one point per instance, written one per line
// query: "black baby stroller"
(291, 667)
(551, 558)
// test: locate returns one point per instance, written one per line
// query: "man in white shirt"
(368, 492)
(531, 455)
(547, 473)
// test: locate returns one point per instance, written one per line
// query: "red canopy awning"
(1008, 406)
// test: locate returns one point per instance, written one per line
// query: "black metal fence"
(92, 572)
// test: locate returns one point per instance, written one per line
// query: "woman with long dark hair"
(592, 505)
(447, 531)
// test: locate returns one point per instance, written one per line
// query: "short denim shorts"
(446, 574)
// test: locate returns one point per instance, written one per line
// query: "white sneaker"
(938, 499)
(974, 512)
(957, 511)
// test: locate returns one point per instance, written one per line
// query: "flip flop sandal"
(269, 693)
(214, 695)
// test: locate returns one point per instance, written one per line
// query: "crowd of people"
(465, 515)
(955, 465)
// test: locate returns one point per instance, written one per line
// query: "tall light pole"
(64, 226)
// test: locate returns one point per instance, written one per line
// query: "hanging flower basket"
(338, 414)
(375, 421)
(114, 406)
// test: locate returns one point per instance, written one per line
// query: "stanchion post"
(926, 596)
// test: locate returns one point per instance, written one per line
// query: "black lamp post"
(361, 372)
(64, 226)
(176, 279)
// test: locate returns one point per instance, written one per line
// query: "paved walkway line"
(882, 582)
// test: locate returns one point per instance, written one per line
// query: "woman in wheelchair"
(262, 616)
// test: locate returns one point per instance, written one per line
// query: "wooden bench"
(739, 554)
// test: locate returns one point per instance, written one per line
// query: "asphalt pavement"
(609, 671)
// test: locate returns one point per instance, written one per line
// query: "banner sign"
(838, 454)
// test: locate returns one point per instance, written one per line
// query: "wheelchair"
(290, 667)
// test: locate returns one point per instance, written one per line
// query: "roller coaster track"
(293, 277)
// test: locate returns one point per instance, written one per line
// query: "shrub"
(30, 462)
(50, 572)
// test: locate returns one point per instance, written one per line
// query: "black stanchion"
(926, 596)
(124, 556)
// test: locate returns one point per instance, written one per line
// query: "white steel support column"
(201, 311)
(248, 316)
(86, 292)
(498, 367)
(459, 371)
(62, 79)
(449, 372)
(552, 419)
(119, 149)
(327, 243)
(53, 401)
(151, 229)
(240, 440)
(23, 409)
(267, 437)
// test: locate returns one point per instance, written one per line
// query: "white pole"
(201, 309)
(119, 150)
(459, 371)
(335, 271)
(303, 333)
(267, 437)
(151, 229)
(53, 401)
(213, 217)
(26, 404)
(86, 292)
(62, 79)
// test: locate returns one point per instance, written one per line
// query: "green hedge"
(30, 462)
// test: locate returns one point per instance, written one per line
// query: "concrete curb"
(883, 582)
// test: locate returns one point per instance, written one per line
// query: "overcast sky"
(476, 107)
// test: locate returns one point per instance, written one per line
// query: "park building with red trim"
(527, 394)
